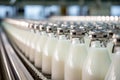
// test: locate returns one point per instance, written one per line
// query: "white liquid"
(96, 64)
(46, 64)
(38, 59)
(59, 57)
(47, 55)
(27, 44)
(110, 47)
(32, 54)
(32, 49)
(38, 55)
(39, 49)
(74, 63)
(114, 70)
(59, 67)
(73, 73)
(28, 47)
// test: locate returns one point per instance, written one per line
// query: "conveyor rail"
(6, 71)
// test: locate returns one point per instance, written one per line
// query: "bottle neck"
(95, 44)
(37, 31)
(75, 41)
(62, 37)
(32, 31)
(51, 34)
(43, 33)
(81, 40)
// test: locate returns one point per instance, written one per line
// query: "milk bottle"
(30, 38)
(34, 42)
(32, 45)
(23, 37)
(27, 41)
(59, 56)
(114, 70)
(97, 62)
(76, 57)
(49, 50)
(40, 46)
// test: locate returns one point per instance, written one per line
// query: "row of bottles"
(68, 50)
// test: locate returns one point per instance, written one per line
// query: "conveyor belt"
(18, 70)
(6, 71)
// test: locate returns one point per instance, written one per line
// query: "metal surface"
(6, 71)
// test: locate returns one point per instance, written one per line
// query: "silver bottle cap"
(36, 27)
(31, 26)
(77, 33)
(49, 29)
(42, 27)
(60, 31)
(100, 35)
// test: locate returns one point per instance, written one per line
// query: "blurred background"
(42, 9)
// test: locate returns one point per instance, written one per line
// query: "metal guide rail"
(18, 69)
(6, 71)
(35, 72)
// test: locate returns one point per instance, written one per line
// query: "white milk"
(26, 36)
(57, 69)
(87, 41)
(38, 53)
(28, 44)
(48, 53)
(59, 57)
(75, 60)
(32, 48)
(110, 47)
(38, 56)
(27, 49)
(114, 70)
(39, 49)
(96, 64)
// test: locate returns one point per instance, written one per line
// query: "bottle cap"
(60, 31)
(100, 35)
(77, 33)
(49, 29)
(31, 26)
(36, 27)
(42, 27)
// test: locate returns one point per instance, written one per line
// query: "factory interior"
(59, 39)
